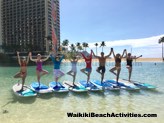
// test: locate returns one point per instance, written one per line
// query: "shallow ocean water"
(54, 107)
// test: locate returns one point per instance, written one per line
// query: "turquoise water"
(54, 107)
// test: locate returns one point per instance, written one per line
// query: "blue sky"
(136, 24)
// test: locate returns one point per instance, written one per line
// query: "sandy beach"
(143, 60)
(137, 60)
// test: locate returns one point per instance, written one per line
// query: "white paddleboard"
(26, 92)
(77, 88)
(142, 85)
(127, 85)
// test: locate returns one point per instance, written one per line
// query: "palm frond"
(161, 40)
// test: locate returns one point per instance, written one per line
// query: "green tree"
(102, 45)
(161, 40)
(65, 44)
(79, 47)
(73, 48)
(85, 45)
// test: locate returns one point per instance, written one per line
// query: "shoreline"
(15, 64)
(123, 60)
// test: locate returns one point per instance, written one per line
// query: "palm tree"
(72, 47)
(96, 48)
(65, 44)
(78, 45)
(85, 45)
(102, 45)
(80, 48)
(161, 40)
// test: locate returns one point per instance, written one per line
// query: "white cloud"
(135, 43)
(148, 47)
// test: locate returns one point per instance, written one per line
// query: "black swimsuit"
(129, 62)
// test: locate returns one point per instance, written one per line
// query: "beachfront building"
(30, 25)
(0, 34)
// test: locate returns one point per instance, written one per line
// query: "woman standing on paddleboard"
(117, 66)
(23, 71)
(73, 71)
(88, 68)
(39, 71)
(56, 59)
(129, 60)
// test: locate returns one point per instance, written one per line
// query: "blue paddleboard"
(26, 92)
(90, 86)
(124, 84)
(58, 88)
(142, 85)
(42, 89)
(78, 88)
(104, 85)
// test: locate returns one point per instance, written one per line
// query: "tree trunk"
(162, 52)
(96, 50)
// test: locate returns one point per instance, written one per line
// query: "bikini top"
(23, 64)
(118, 60)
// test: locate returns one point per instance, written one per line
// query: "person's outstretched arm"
(123, 53)
(94, 54)
(109, 53)
(19, 61)
(61, 58)
(114, 54)
(83, 55)
(52, 57)
(45, 59)
(91, 53)
(28, 58)
(34, 60)
(137, 57)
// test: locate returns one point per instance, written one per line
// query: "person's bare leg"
(102, 77)
(130, 73)
(44, 72)
(98, 71)
(69, 73)
(23, 80)
(118, 74)
(112, 70)
(56, 80)
(83, 71)
(17, 75)
(88, 78)
(38, 77)
(74, 77)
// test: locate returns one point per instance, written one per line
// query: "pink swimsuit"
(39, 66)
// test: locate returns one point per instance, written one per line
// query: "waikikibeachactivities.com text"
(92, 114)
